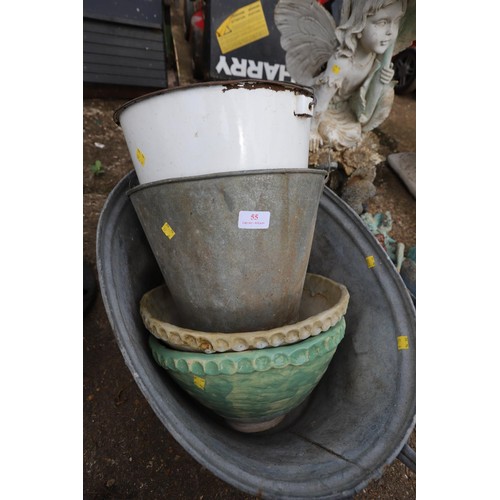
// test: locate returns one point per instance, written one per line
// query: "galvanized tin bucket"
(212, 127)
(233, 248)
(359, 417)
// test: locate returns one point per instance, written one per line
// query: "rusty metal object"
(214, 127)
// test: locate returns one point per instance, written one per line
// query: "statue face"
(381, 29)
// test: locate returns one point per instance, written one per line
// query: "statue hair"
(353, 21)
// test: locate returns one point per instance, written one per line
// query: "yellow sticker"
(370, 261)
(199, 382)
(169, 232)
(403, 342)
(336, 69)
(140, 156)
(245, 25)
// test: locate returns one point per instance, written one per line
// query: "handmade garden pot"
(252, 390)
(324, 302)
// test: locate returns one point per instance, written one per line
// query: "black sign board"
(242, 41)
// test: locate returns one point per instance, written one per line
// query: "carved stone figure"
(348, 66)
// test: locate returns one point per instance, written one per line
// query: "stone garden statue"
(348, 64)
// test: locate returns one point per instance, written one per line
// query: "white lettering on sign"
(255, 70)
(271, 70)
(252, 69)
(253, 220)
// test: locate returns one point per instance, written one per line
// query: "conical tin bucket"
(233, 248)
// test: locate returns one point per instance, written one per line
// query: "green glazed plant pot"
(252, 390)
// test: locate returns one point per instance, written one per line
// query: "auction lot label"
(253, 220)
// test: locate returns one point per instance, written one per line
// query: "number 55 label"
(253, 220)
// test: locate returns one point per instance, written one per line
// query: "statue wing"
(307, 36)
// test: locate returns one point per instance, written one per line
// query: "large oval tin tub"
(356, 421)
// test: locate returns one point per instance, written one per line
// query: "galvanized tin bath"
(360, 415)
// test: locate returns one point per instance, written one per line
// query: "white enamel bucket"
(217, 127)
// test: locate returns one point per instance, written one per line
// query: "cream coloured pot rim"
(156, 309)
(277, 86)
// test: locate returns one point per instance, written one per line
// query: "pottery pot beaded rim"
(157, 311)
(230, 363)
(252, 390)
